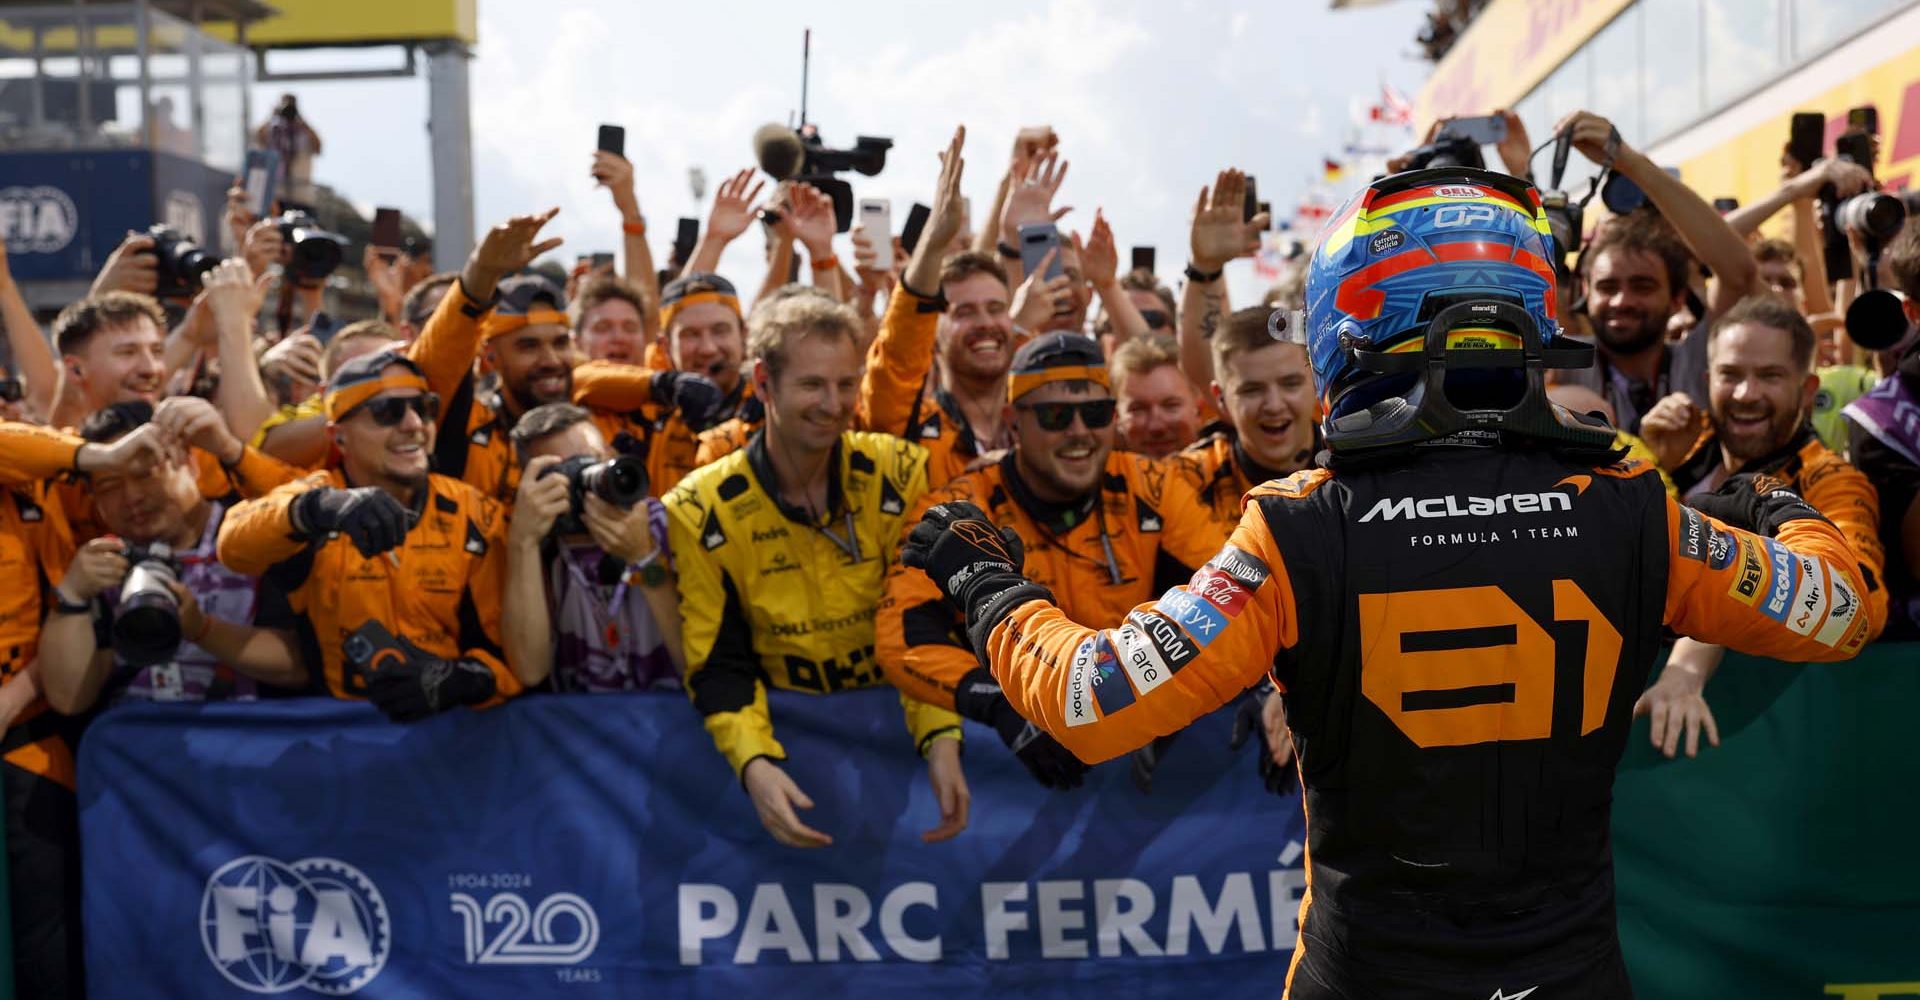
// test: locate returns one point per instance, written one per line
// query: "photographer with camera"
(590, 598)
(1636, 280)
(289, 135)
(146, 612)
(396, 570)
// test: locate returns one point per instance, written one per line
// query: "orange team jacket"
(621, 398)
(441, 589)
(30, 452)
(1460, 640)
(893, 389)
(35, 548)
(1827, 482)
(1221, 471)
(1147, 514)
(471, 443)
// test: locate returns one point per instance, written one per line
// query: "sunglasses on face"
(1156, 320)
(1094, 414)
(388, 411)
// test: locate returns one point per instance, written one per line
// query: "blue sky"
(1149, 98)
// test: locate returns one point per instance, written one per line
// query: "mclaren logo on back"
(1389, 509)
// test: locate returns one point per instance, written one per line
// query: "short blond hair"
(1244, 330)
(1141, 356)
(776, 325)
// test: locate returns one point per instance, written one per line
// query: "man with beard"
(1637, 280)
(1760, 382)
(937, 373)
(1264, 389)
(395, 572)
(782, 548)
(1106, 530)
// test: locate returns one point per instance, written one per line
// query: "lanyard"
(611, 632)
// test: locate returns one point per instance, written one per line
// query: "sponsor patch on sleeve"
(1842, 607)
(1219, 590)
(1244, 567)
(1171, 643)
(1720, 548)
(1752, 575)
(1142, 664)
(1201, 619)
(1810, 599)
(1693, 535)
(1110, 689)
(1780, 592)
(1080, 682)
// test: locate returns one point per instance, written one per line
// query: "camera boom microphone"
(779, 151)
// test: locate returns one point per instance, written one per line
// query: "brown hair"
(544, 421)
(1142, 280)
(414, 308)
(776, 326)
(1141, 355)
(968, 263)
(1244, 330)
(74, 328)
(1648, 233)
(1768, 311)
(366, 329)
(605, 288)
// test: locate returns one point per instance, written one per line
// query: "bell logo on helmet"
(1458, 191)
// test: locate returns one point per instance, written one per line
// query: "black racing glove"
(979, 698)
(1278, 778)
(1755, 501)
(697, 398)
(368, 515)
(412, 689)
(975, 565)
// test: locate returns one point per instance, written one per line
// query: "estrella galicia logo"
(271, 927)
(526, 935)
(1387, 241)
(38, 219)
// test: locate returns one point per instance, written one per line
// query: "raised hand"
(132, 267)
(615, 173)
(1221, 232)
(944, 221)
(1030, 198)
(733, 205)
(810, 213)
(506, 248)
(1099, 257)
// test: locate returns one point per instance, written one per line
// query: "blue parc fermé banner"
(597, 846)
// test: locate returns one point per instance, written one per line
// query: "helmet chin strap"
(1425, 414)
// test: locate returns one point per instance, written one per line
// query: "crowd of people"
(504, 485)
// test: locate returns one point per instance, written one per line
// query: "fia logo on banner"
(526, 935)
(271, 927)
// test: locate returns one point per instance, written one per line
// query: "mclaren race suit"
(439, 590)
(1460, 664)
(1144, 530)
(771, 596)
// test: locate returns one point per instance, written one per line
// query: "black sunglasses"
(388, 411)
(1094, 413)
(1156, 320)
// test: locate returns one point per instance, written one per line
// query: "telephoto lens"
(620, 481)
(313, 252)
(1873, 214)
(1877, 319)
(146, 625)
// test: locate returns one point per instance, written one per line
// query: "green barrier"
(1782, 863)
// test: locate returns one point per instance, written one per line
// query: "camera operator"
(231, 632)
(589, 603)
(1637, 280)
(289, 135)
(396, 570)
(1887, 449)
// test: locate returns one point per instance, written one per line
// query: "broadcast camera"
(182, 263)
(789, 154)
(146, 624)
(620, 481)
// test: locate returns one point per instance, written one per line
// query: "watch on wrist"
(62, 605)
(651, 571)
(1204, 277)
(1008, 250)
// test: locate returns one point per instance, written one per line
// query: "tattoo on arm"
(1210, 317)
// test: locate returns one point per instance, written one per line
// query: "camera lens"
(1876, 321)
(315, 255)
(620, 481)
(146, 625)
(1873, 214)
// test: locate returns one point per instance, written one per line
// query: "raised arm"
(734, 209)
(615, 173)
(32, 354)
(901, 356)
(1220, 233)
(1712, 241)
(1100, 260)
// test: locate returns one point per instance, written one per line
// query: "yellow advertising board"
(1510, 47)
(1747, 166)
(360, 22)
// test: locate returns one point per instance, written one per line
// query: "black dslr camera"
(146, 624)
(182, 263)
(620, 481)
(312, 252)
